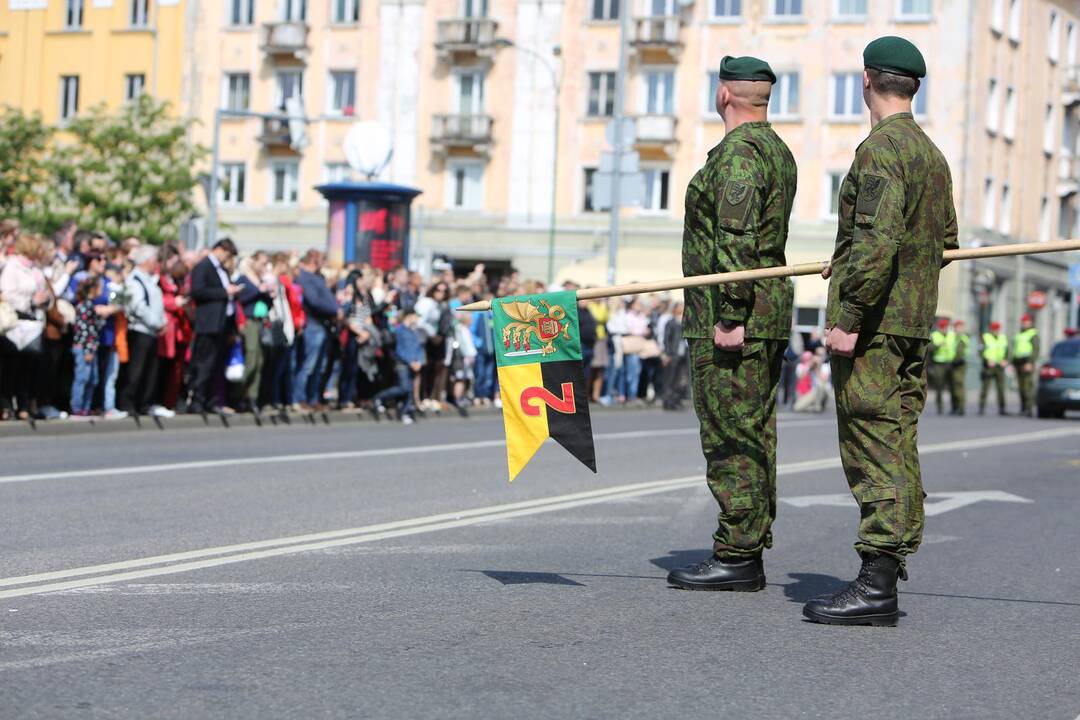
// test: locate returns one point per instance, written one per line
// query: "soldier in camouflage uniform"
(737, 210)
(896, 218)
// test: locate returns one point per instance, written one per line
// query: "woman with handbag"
(24, 288)
(176, 338)
(255, 301)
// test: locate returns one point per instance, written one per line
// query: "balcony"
(656, 131)
(285, 38)
(1070, 86)
(657, 33)
(461, 132)
(1068, 175)
(275, 133)
(474, 36)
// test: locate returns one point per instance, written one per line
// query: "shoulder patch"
(871, 190)
(734, 204)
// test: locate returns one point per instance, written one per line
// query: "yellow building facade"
(62, 57)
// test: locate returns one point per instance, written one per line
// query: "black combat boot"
(870, 599)
(740, 574)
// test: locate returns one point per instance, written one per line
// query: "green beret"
(746, 68)
(894, 55)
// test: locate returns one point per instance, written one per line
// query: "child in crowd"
(84, 346)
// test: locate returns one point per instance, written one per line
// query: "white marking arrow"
(936, 503)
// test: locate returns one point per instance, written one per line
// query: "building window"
(1006, 210)
(294, 10)
(1053, 45)
(659, 92)
(465, 182)
(1009, 127)
(233, 184)
(140, 13)
(69, 96)
(601, 94)
(587, 201)
(1066, 217)
(920, 104)
(1070, 44)
(992, 102)
(726, 9)
(342, 92)
(713, 85)
(284, 182)
(475, 8)
(988, 203)
(847, 95)
(346, 11)
(784, 102)
(787, 8)
(997, 16)
(241, 12)
(1015, 14)
(470, 93)
(914, 10)
(1048, 130)
(337, 172)
(656, 189)
(1044, 219)
(73, 14)
(290, 83)
(133, 85)
(237, 91)
(605, 10)
(849, 9)
(832, 202)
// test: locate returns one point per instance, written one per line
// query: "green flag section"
(541, 379)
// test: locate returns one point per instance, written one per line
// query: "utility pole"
(616, 181)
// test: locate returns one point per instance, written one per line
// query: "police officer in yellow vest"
(942, 354)
(1025, 352)
(959, 368)
(995, 354)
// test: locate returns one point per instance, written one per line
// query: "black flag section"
(568, 417)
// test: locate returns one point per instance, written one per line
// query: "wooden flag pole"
(791, 271)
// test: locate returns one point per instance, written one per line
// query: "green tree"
(131, 174)
(24, 167)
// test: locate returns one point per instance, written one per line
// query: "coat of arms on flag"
(541, 379)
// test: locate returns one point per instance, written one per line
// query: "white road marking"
(227, 554)
(341, 455)
(934, 506)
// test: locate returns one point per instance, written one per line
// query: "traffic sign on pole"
(1074, 276)
(631, 189)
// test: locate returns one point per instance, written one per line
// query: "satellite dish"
(368, 148)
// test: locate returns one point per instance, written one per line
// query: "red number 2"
(564, 404)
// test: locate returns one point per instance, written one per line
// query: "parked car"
(1059, 381)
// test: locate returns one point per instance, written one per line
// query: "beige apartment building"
(470, 91)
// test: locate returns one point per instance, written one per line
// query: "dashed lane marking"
(227, 554)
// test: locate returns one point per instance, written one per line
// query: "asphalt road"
(379, 571)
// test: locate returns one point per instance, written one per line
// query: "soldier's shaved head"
(750, 93)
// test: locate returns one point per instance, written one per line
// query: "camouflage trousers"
(996, 376)
(959, 386)
(940, 376)
(880, 393)
(1025, 384)
(735, 401)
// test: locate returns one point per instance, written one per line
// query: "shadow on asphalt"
(678, 558)
(810, 585)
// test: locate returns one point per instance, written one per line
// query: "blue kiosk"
(368, 222)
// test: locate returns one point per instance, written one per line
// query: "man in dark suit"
(215, 322)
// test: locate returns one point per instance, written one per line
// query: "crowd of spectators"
(90, 327)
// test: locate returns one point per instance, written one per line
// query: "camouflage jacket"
(737, 210)
(896, 219)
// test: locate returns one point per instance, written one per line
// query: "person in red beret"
(995, 354)
(1025, 351)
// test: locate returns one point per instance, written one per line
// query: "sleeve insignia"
(871, 190)
(736, 193)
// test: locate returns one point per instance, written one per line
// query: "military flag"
(541, 379)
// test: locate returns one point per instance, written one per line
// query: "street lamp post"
(556, 82)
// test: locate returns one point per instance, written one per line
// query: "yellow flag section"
(524, 433)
